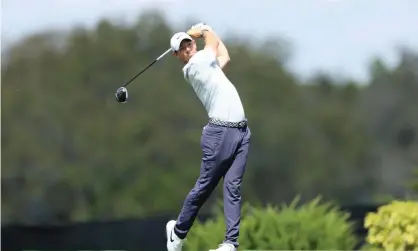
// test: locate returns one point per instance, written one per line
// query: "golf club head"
(121, 95)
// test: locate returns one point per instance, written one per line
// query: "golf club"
(122, 93)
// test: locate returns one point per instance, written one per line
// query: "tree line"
(70, 152)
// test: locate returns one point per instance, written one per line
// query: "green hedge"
(313, 226)
(393, 227)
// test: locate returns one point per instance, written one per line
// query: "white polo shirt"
(217, 94)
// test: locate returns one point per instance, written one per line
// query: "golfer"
(225, 139)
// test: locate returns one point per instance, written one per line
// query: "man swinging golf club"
(225, 139)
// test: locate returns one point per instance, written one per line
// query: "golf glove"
(202, 26)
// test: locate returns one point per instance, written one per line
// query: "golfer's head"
(183, 46)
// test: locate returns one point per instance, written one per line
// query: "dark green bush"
(313, 226)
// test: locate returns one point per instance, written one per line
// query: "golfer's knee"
(198, 195)
(232, 190)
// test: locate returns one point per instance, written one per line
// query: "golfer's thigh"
(212, 138)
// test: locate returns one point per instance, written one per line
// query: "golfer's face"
(187, 50)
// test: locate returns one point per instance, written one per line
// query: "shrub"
(393, 227)
(312, 226)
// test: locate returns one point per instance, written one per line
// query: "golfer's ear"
(174, 53)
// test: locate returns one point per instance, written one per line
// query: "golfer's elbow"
(227, 60)
(224, 66)
(223, 61)
(226, 56)
(223, 51)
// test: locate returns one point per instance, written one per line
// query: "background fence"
(136, 235)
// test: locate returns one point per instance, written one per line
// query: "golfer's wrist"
(204, 32)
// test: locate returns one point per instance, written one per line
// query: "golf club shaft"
(148, 66)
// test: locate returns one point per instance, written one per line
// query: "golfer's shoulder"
(204, 55)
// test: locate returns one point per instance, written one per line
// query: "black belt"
(218, 122)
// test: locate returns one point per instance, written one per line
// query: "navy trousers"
(225, 152)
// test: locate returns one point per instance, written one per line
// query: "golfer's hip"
(221, 138)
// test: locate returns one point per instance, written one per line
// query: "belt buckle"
(242, 123)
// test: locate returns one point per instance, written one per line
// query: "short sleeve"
(205, 56)
(200, 65)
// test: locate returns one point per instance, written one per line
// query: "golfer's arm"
(212, 42)
(222, 55)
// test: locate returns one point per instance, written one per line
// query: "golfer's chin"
(191, 54)
(187, 58)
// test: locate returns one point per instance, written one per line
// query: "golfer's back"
(218, 95)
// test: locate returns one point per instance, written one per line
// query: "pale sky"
(340, 36)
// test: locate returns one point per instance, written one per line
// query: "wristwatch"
(202, 33)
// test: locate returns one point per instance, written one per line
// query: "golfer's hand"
(203, 26)
(195, 32)
(198, 25)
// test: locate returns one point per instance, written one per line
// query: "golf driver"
(122, 93)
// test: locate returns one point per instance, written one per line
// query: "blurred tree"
(71, 152)
(414, 182)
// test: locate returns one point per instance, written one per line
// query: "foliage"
(312, 226)
(393, 227)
